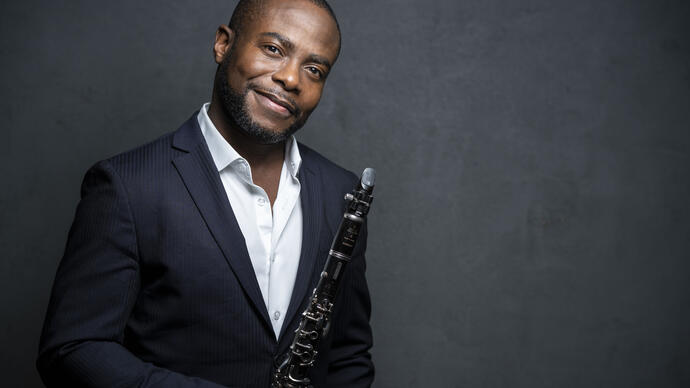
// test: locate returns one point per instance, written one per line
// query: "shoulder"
(333, 182)
(137, 172)
(143, 160)
(331, 174)
(155, 157)
(152, 161)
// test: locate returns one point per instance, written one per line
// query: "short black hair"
(247, 10)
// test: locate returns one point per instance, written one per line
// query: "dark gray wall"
(531, 227)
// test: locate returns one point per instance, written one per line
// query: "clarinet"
(315, 322)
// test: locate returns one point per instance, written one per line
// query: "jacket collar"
(202, 180)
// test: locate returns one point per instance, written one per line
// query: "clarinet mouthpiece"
(368, 178)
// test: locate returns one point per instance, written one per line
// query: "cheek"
(252, 66)
(312, 98)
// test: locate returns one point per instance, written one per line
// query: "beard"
(234, 104)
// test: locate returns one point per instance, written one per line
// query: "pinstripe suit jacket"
(156, 288)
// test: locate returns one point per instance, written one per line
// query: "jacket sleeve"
(95, 289)
(350, 361)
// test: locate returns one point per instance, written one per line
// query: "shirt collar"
(293, 160)
(223, 154)
(221, 151)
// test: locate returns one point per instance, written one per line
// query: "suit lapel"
(200, 176)
(311, 200)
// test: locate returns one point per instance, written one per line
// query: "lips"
(274, 100)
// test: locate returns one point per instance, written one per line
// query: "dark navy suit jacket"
(156, 287)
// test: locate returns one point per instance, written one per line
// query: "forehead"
(307, 26)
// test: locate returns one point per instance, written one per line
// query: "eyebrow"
(289, 45)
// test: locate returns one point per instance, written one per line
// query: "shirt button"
(261, 201)
(276, 315)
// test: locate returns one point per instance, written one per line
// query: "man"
(191, 258)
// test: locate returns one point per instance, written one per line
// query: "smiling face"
(272, 73)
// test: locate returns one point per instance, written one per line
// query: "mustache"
(277, 92)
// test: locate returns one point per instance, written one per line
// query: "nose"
(288, 76)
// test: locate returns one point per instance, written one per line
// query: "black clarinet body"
(293, 370)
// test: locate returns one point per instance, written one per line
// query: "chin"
(266, 134)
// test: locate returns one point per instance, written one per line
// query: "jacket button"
(278, 359)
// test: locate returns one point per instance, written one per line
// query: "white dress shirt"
(274, 239)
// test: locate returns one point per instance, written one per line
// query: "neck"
(258, 155)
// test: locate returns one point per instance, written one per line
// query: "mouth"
(276, 103)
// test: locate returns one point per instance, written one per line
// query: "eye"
(272, 49)
(315, 71)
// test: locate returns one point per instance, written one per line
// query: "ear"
(225, 37)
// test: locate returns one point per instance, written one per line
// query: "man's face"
(272, 77)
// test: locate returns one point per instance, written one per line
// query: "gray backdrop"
(531, 227)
